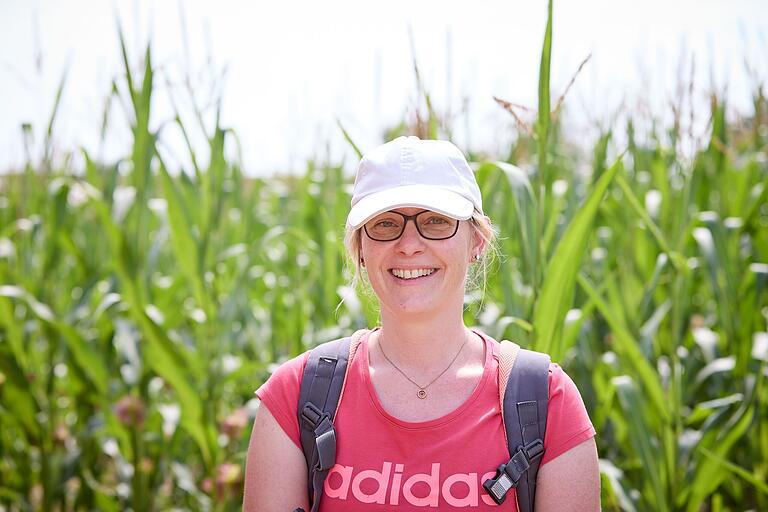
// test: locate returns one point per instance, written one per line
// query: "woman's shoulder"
(283, 385)
(504, 348)
(280, 393)
(560, 383)
(290, 372)
(568, 422)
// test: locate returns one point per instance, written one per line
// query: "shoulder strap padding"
(353, 345)
(508, 351)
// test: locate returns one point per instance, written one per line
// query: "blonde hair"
(478, 272)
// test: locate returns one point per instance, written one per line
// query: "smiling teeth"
(412, 274)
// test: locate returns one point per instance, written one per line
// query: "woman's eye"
(385, 223)
(437, 220)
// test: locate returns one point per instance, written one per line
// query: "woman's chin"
(420, 307)
(421, 311)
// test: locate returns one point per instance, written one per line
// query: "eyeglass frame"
(406, 218)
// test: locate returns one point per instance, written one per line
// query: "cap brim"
(428, 197)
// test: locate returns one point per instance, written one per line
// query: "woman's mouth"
(409, 274)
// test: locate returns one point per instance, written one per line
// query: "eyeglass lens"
(391, 225)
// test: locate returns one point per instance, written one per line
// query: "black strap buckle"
(325, 444)
(508, 475)
(534, 449)
(321, 426)
(499, 485)
(312, 415)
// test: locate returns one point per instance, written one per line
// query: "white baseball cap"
(410, 172)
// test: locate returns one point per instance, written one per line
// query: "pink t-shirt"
(383, 463)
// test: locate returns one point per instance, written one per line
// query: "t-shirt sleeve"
(568, 423)
(280, 394)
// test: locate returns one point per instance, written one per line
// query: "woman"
(419, 424)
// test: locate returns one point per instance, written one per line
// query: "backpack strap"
(321, 387)
(508, 351)
(524, 398)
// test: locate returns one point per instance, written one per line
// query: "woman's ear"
(478, 241)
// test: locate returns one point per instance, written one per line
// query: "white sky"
(293, 68)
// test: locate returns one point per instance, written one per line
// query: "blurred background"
(175, 176)
(284, 73)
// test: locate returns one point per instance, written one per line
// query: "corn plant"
(140, 308)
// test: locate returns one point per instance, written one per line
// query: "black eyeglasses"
(389, 226)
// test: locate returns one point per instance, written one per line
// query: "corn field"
(140, 309)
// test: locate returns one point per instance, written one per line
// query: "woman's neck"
(423, 341)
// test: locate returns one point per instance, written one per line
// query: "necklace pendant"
(422, 393)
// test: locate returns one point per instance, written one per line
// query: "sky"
(288, 72)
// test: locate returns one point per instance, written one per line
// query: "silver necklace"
(422, 392)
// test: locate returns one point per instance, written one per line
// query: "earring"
(477, 257)
(362, 262)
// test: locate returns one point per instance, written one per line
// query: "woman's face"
(445, 261)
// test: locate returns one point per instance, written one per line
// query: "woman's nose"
(410, 241)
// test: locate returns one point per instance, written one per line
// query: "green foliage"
(139, 309)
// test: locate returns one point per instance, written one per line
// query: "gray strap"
(525, 416)
(325, 450)
(321, 386)
(525, 420)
